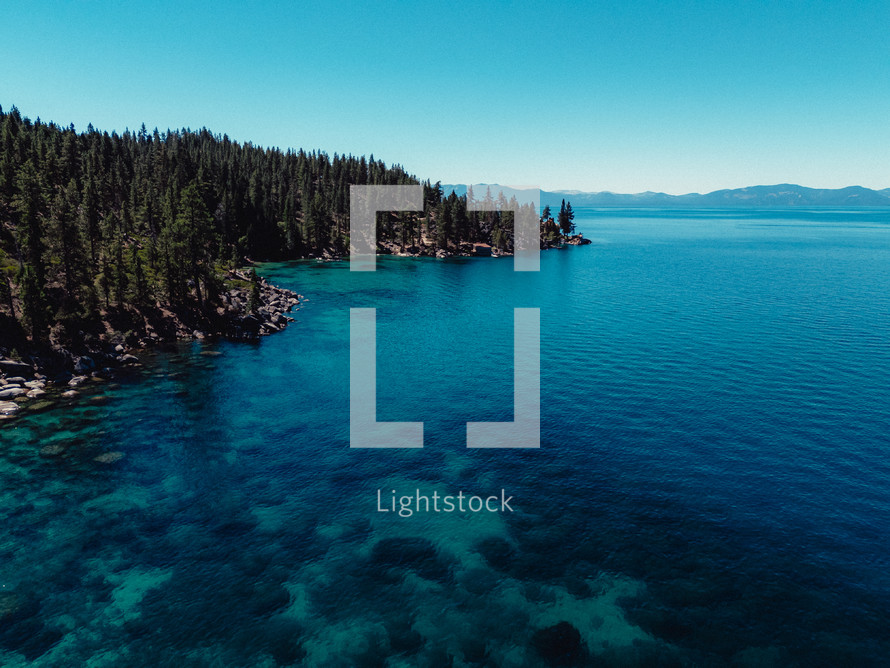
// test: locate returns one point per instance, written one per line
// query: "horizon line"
(578, 191)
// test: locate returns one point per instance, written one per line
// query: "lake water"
(712, 487)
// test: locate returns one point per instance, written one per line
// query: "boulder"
(119, 349)
(109, 457)
(34, 394)
(414, 553)
(560, 645)
(11, 366)
(8, 408)
(128, 359)
(77, 380)
(70, 394)
(84, 364)
(268, 597)
(9, 604)
(15, 380)
(11, 392)
(250, 324)
(35, 384)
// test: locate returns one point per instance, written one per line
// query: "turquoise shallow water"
(713, 486)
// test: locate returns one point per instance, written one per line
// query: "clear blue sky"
(623, 96)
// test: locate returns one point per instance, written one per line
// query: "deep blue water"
(713, 486)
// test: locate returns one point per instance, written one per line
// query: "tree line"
(93, 221)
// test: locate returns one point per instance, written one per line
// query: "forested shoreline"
(105, 236)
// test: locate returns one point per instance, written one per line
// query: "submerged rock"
(53, 450)
(70, 394)
(268, 598)
(416, 554)
(497, 552)
(9, 604)
(560, 645)
(109, 457)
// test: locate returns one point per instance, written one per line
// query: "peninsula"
(112, 242)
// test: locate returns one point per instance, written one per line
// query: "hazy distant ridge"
(782, 195)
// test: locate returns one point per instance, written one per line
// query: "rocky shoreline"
(249, 310)
(464, 249)
(267, 318)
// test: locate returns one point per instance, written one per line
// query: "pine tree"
(34, 303)
(64, 235)
(5, 287)
(566, 218)
(28, 204)
(140, 282)
(445, 224)
(191, 239)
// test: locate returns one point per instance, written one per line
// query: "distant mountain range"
(782, 195)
